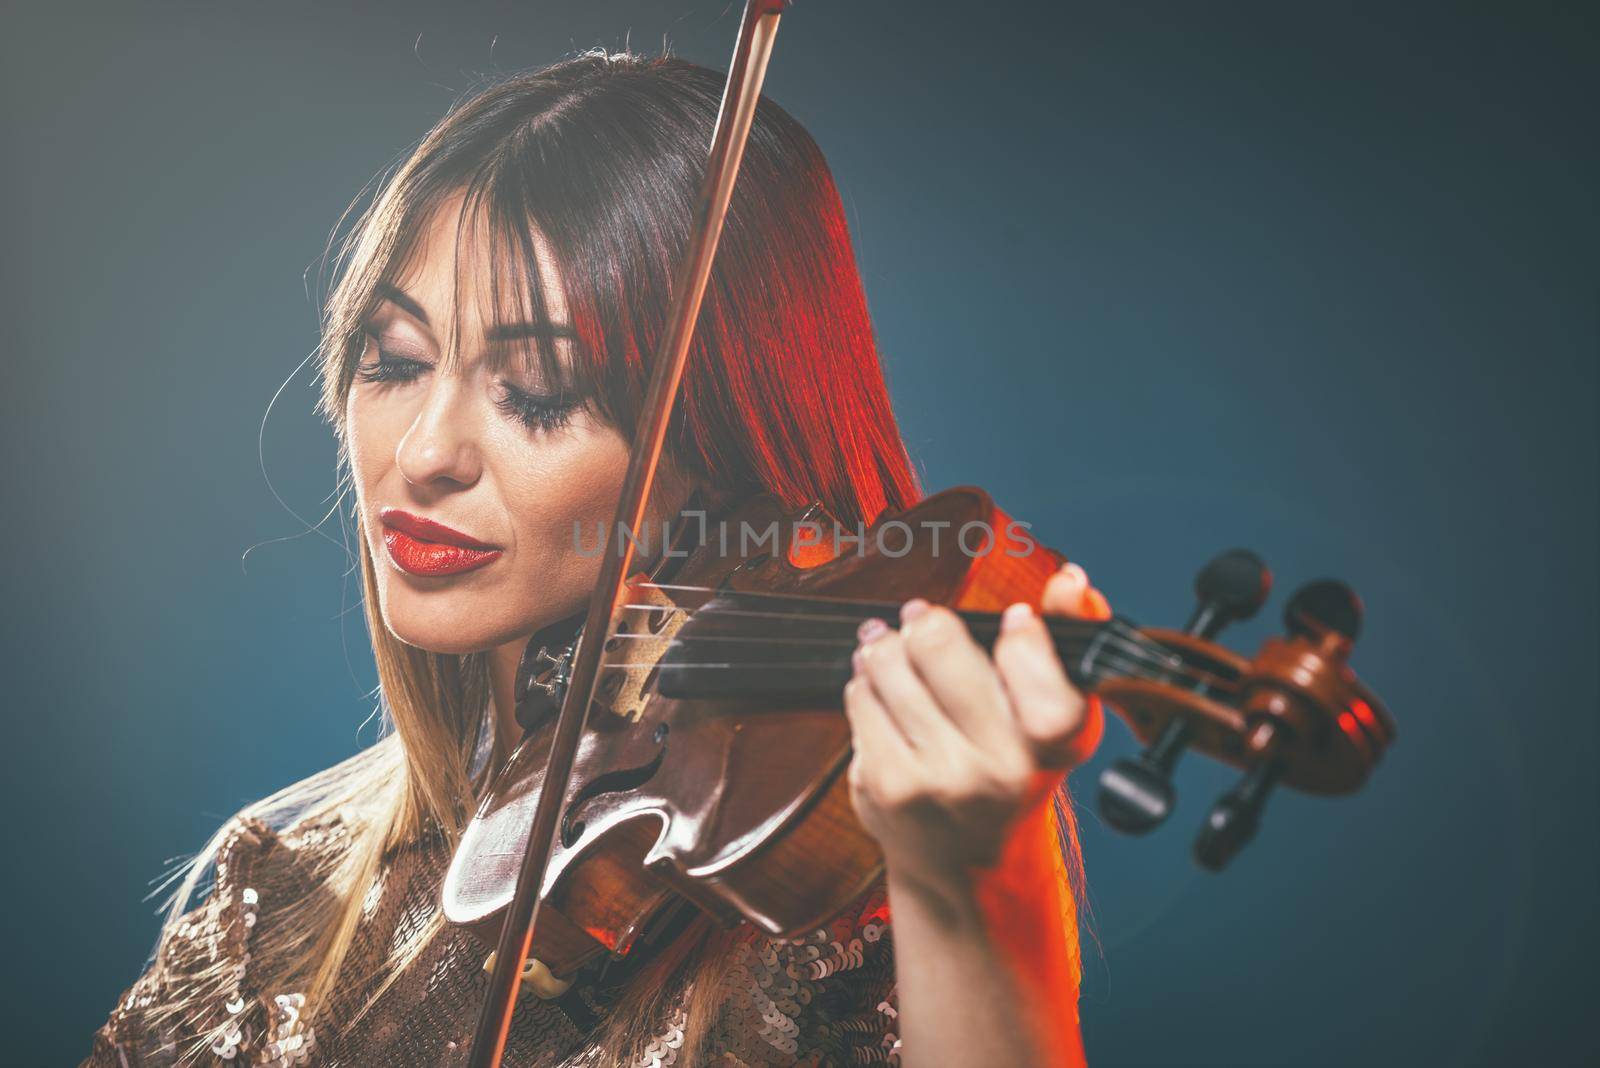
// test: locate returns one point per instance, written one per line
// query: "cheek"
(563, 496)
(358, 437)
(374, 426)
(371, 437)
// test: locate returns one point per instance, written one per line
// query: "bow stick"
(757, 30)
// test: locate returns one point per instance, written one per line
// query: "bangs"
(504, 261)
(577, 191)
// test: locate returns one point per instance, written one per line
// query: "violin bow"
(757, 30)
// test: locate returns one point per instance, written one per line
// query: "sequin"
(373, 896)
(823, 998)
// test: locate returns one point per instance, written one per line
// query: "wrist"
(946, 895)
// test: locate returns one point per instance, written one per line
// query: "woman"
(486, 348)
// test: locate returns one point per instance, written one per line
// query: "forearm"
(957, 751)
(985, 966)
(958, 1001)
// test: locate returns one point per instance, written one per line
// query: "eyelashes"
(389, 368)
(537, 413)
(533, 412)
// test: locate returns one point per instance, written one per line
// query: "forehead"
(460, 258)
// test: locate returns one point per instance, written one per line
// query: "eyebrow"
(406, 304)
(499, 332)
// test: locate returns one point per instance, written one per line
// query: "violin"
(712, 769)
(685, 750)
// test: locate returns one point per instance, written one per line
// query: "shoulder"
(257, 868)
(197, 992)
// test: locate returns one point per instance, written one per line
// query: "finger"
(881, 659)
(881, 756)
(873, 733)
(1048, 708)
(1064, 591)
(962, 680)
(1068, 593)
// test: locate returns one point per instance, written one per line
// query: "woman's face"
(496, 456)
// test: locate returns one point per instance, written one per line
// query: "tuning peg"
(1233, 820)
(1232, 587)
(1324, 606)
(1136, 793)
(1325, 611)
(541, 682)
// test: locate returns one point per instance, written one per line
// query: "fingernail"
(1015, 616)
(1077, 573)
(912, 609)
(871, 629)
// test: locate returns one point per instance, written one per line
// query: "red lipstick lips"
(420, 546)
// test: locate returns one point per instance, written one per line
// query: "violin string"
(1135, 660)
(743, 638)
(979, 625)
(808, 665)
(810, 617)
(853, 611)
(1152, 656)
(1122, 665)
(869, 609)
(1126, 657)
(844, 604)
(796, 664)
(1135, 655)
(1142, 651)
(1125, 666)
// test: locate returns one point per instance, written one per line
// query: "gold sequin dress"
(824, 999)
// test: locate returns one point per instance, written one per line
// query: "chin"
(466, 626)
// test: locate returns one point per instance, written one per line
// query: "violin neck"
(1093, 651)
(796, 650)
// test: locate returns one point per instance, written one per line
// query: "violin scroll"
(1136, 793)
(1296, 714)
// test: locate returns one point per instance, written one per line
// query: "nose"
(440, 445)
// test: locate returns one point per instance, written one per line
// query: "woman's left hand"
(953, 746)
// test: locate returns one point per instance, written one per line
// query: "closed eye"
(532, 411)
(536, 412)
(386, 366)
(391, 369)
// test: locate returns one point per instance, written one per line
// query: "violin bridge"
(640, 634)
(537, 979)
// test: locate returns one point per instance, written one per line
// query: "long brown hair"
(600, 156)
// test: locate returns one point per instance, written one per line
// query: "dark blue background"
(1166, 278)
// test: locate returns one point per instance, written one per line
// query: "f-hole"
(611, 782)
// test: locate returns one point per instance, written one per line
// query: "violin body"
(741, 806)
